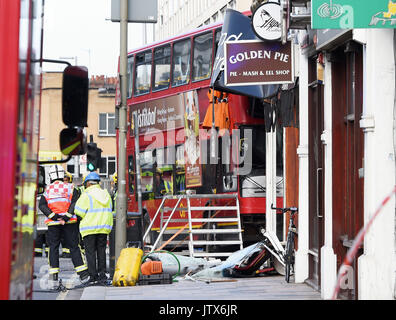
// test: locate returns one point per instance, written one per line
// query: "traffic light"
(94, 155)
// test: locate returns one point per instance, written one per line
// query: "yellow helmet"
(69, 176)
(115, 177)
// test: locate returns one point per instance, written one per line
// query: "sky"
(81, 32)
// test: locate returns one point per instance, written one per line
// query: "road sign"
(138, 11)
(353, 14)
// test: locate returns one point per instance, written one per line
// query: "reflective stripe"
(53, 270)
(80, 209)
(100, 210)
(104, 226)
(38, 250)
(56, 223)
(52, 223)
(168, 186)
(81, 268)
(90, 201)
(49, 201)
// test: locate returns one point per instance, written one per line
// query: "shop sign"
(236, 27)
(266, 21)
(253, 62)
(353, 14)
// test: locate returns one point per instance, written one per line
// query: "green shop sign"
(349, 14)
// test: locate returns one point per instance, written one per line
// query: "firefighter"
(57, 203)
(94, 207)
(168, 183)
(65, 250)
(68, 178)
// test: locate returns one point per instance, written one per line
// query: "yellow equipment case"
(128, 267)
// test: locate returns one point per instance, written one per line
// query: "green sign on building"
(349, 14)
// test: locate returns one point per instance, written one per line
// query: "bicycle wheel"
(289, 252)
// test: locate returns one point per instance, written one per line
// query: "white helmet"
(56, 172)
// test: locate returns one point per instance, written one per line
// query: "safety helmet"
(56, 172)
(69, 176)
(92, 176)
(115, 177)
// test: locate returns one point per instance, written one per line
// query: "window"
(217, 39)
(181, 62)
(223, 12)
(202, 63)
(161, 68)
(143, 72)
(131, 174)
(147, 173)
(70, 165)
(180, 176)
(164, 182)
(215, 17)
(107, 124)
(130, 75)
(252, 155)
(107, 166)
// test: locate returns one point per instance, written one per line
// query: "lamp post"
(120, 233)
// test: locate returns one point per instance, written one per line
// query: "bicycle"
(288, 255)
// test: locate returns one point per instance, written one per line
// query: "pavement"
(267, 287)
(258, 288)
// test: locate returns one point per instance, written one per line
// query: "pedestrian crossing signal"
(94, 155)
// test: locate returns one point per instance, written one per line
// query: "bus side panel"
(9, 20)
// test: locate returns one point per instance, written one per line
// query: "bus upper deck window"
(143, 72)
(202, 59)
(161, 68)
(181, 62)
(130, 75)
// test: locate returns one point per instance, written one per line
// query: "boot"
(84, 275)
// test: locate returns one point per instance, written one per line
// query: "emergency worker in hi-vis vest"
(57, 203)
(95, 208)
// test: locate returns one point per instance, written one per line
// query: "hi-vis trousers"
(70, 233)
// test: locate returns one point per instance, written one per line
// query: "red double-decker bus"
(169, 90)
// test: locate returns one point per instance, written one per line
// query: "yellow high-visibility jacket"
(96, 210)
(29, 199)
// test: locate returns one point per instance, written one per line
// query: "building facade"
(101, 122)
(179, 16)
(347, 161)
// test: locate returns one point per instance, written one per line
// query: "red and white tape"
(355, 245)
